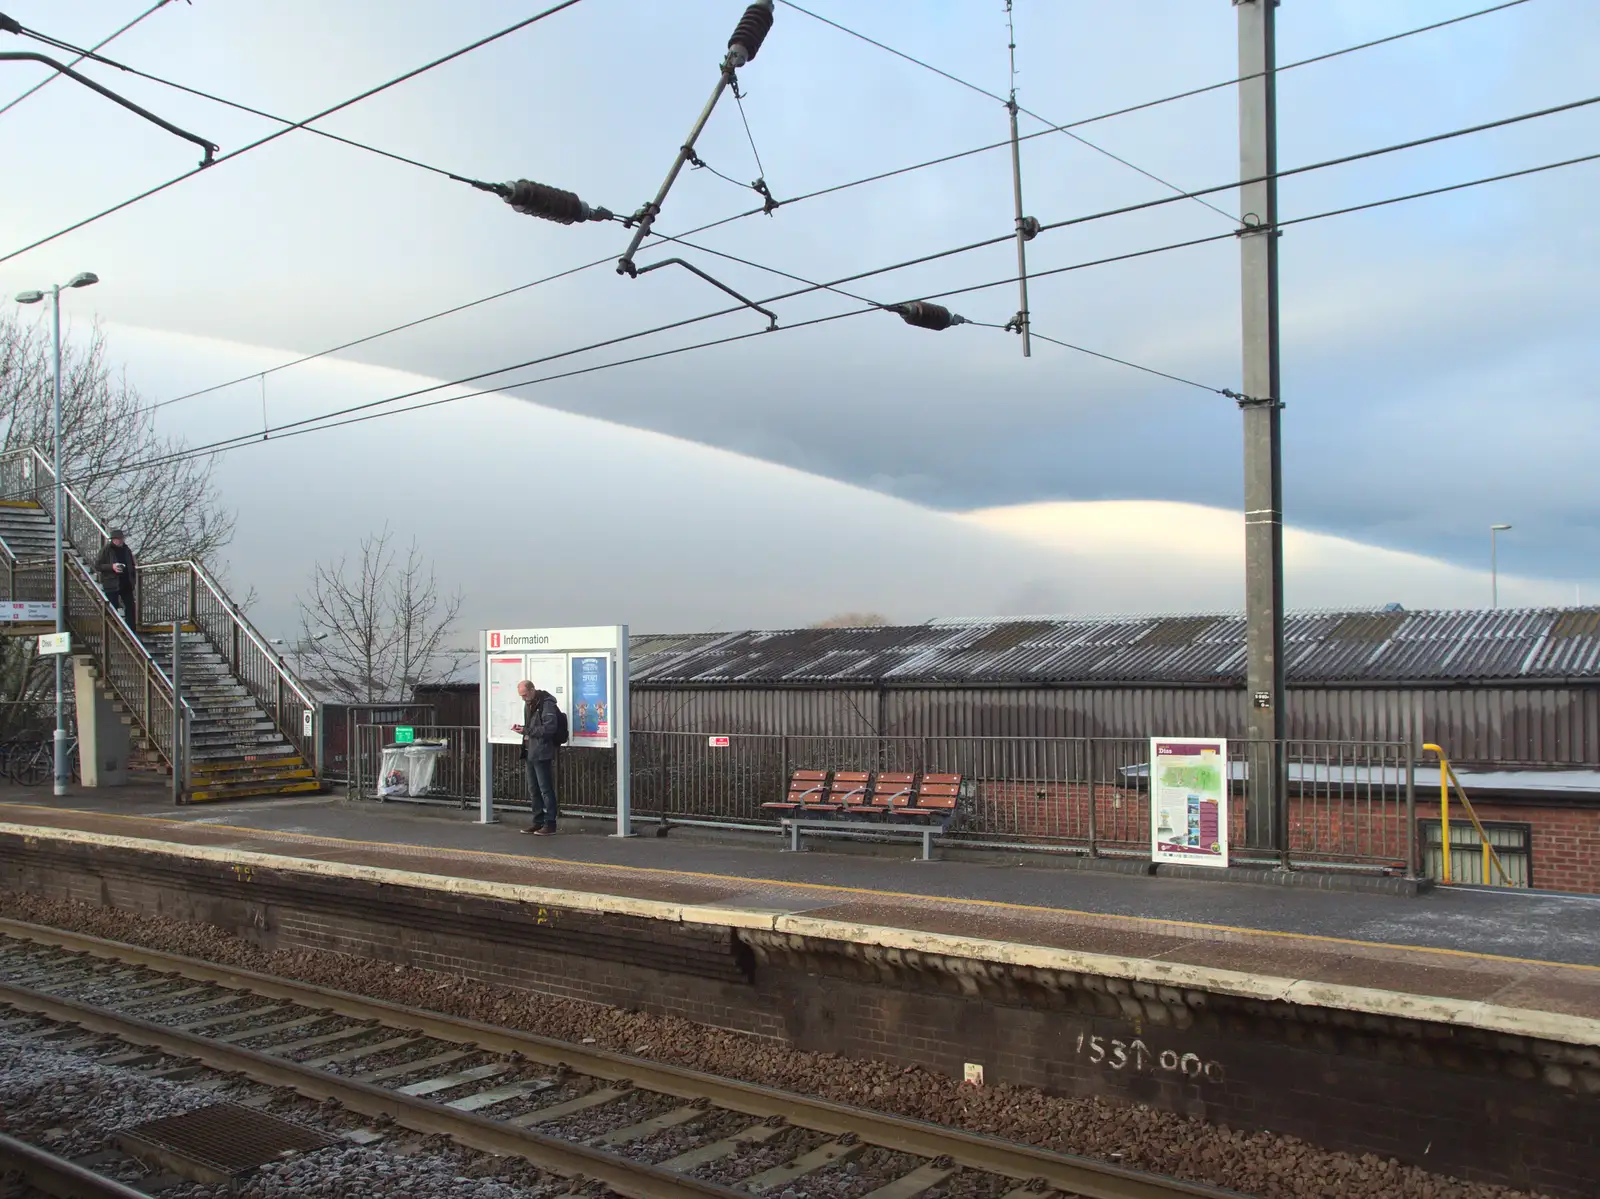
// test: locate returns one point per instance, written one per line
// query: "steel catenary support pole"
(1262, 406)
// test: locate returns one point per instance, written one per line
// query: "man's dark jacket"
(541, 724)
(109, 578)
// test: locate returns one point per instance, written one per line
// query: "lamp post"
(299, 647)
(84, 279)
(1494, 565)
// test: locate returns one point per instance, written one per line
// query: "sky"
(1439, 358)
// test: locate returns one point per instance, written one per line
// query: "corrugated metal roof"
(1320, 647)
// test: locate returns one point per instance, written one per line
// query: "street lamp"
(83, 279)
(300, 647)
(1494, 565)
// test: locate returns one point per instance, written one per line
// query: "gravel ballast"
(1255, 1163)
(71, 1105)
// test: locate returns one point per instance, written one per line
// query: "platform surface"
(1512, 950)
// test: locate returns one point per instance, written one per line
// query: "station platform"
(1508, 962)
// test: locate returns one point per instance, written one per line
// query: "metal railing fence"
(1346, 803)
(97, 629)
(185, 591)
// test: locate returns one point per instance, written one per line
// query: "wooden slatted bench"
(890, 803)
(807, 789)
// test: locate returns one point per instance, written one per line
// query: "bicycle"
(31, 763)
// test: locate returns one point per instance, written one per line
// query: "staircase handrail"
(75, 502)
(203, 576)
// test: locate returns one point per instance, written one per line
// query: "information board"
(1189, 800)
(585, 669)
(590, 718)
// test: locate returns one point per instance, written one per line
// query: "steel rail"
(1065, 1172)
(567, 1158)
(57, 1176)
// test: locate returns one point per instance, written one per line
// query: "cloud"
(1437, 367)
(545, 517)
(1150, 556)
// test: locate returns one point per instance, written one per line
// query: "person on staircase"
(119, 574)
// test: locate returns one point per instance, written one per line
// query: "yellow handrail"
(1447, 775)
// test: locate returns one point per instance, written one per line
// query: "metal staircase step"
(245, 791)
(220, 769)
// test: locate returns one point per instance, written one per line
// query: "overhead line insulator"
(749, 33)
(923, 315)
(550, 203)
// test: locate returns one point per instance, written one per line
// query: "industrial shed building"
(1499, 688)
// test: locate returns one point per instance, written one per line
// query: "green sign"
(404, 735)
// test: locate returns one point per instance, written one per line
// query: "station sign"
(53, 644)
(28, 612)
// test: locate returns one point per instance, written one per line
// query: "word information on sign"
(719, 742)
(404, 735)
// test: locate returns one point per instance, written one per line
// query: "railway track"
(574, 1110)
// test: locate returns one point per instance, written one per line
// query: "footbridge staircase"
(240, 724)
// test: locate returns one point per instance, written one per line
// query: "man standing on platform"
(118, 575)
(543, 728)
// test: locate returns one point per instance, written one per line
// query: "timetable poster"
(1189, 801)
(505, 705)
(590, 717)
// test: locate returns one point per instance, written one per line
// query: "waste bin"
(408, 770)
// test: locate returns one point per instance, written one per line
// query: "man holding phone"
(543, 728)
(118, 573)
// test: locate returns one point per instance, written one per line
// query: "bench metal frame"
(792, 825)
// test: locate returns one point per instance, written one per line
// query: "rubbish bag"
(395, 777)
(409, 770)
(422, 761)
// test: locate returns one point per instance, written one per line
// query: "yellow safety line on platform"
(921, 897)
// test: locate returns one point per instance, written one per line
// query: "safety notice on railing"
(1189, 801)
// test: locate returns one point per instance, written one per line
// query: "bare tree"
(853, 620)
(376, 628)
(111, 455)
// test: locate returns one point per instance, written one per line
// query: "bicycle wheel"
(34, 767)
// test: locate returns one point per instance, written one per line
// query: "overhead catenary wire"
(364, 411)
(1061, 224)
(82, 54)
(928, 163)
(1149, 104)
(560, 6)
(200, 93)
(1010, 103)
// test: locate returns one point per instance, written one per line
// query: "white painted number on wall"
(1135, 1054)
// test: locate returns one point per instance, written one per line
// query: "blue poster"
(591, 699)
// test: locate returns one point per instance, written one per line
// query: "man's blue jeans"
(542, 792)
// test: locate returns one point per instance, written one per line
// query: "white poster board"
(586, 669)
(1189, 800)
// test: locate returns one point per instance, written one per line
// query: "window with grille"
(1512, 843)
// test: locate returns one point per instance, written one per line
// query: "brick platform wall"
(1502, 1109)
